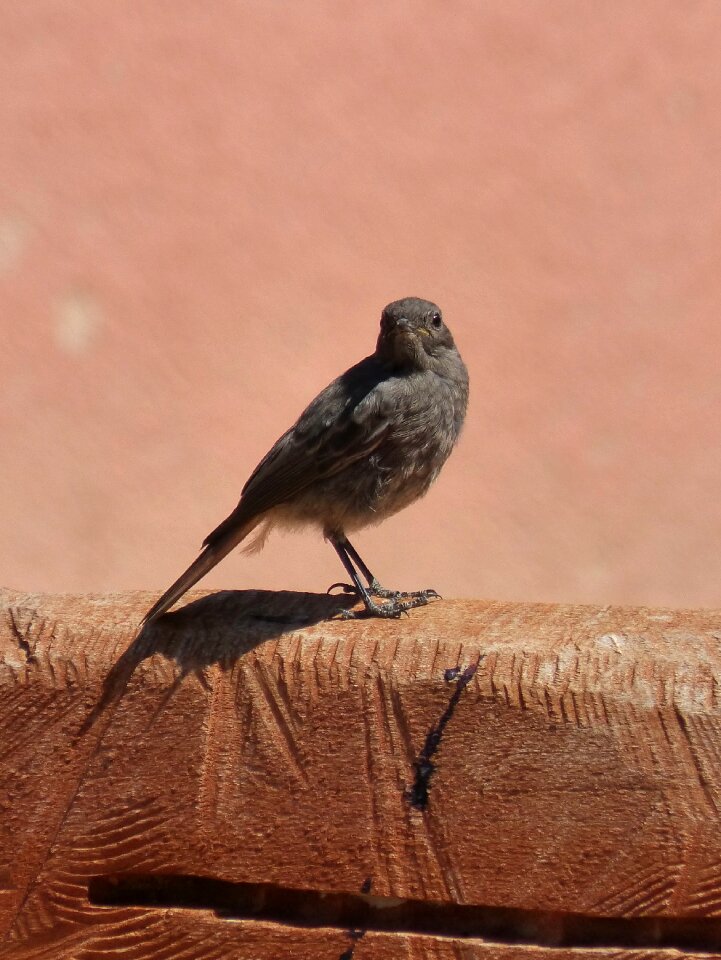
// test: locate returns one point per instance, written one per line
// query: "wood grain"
(250, 779)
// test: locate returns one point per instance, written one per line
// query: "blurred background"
(204, 208)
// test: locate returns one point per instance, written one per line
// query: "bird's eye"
(436, 320)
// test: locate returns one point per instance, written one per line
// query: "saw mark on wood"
(706, 895)
(21, 637)
(286, 686)
(708, 730)
(37, 924)
(600, 709)
(375, 827)
(693, 861)
(438, 847)
(67, 806)
(418, 794)
(695, 748)
(277, 721)
(400, 723)
(219, 706)
(127, 838)
(642, 892)
(121, 836)
(358, 913)
(144, 935)
(379, 700)
(23, 723)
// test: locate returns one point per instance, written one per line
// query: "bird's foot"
(376, 590)
(397, 605)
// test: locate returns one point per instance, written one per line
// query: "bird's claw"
(430, 594)
(347, 588)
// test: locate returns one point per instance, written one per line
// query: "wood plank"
(251, 779)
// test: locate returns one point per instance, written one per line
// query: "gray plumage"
(369, 444)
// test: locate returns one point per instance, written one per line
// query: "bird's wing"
(345, 423)
(337, 429)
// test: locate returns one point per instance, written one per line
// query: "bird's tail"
(217, 546)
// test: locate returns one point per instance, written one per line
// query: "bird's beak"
(402, 329)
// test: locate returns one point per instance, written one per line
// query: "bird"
(371, 443)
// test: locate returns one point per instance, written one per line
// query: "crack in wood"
(356, 936)
(358, 913)
(418, 794)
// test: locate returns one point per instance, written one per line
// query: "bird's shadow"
(218, 628)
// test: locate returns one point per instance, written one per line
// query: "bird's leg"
(396, 605)
(374, 588)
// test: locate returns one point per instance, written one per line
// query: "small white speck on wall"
(77, 319)
(14, 233)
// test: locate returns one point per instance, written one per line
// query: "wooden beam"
(250, 779)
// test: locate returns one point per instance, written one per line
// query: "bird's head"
(413, 334)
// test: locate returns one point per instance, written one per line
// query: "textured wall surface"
(203, 208)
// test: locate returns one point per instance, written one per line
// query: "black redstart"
(369, 444)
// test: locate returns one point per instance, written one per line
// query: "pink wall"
(203, 208)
